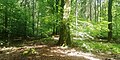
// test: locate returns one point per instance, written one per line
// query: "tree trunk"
(38, 23)
(25, 35)
(55, 27)
(90, 2)
(5, 31)
(95, 12)
(76, 15)
(100, 10)
(110, 19)
(33, 17)
(64, 25)
(6, 23)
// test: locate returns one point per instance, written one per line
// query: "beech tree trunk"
(64, 25)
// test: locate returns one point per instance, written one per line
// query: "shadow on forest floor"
(45, 50)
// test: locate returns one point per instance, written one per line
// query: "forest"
(59, 30)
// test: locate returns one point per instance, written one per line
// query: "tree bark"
(90, 10)
(110, 19)
(6, 23)
(5, 31)
(64, 25)
(33, 17)
(76, 15)
(55, 26)
(100, 9)
(95, 11)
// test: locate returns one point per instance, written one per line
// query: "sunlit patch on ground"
(45, 52)
(74, 53)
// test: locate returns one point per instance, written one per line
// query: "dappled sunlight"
(75, 53)
(55, 37)
(85, 55)
(25, 47)
(56, 52)
(46, 52)
(59, 30)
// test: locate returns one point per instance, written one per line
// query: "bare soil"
(45, 52)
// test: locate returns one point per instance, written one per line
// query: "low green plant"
(92, 46)
(30, 51)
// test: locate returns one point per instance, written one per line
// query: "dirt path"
(44, 52)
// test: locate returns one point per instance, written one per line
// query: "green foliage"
(100, 29)
(98, 47)
(30, 51)
(95, 29)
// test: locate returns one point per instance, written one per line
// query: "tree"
(55, 5)
(6, 20)
(64, 25)
(33, 16)
(76, 15)
(110, 19)
(95, 10)
(90, 3)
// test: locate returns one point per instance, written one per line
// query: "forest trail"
(44, 52)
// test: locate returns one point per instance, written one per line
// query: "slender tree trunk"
(116, 22)
(100, 9)
(76, 15)
(64, 28)
(6, 23)
(25, 35)
(33, 17)
(37, 22)
(90, 2)
(110, 19)
(57, 5)
(61, 41)
(55, 27)
(95, 11)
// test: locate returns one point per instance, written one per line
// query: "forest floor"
(34, 50)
